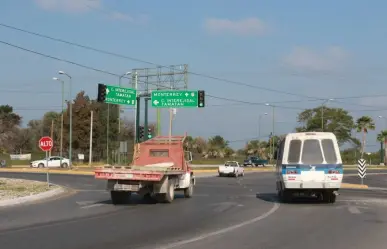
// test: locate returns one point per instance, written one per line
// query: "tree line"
(15, 139)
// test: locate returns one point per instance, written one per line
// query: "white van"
(309, 163)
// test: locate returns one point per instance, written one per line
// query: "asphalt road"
(224, 213)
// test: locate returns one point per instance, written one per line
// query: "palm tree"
(363, 124)
(382, 137)
(216, 146)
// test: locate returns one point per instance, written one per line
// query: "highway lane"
(371, 179)
(212, 207)
(239, 206)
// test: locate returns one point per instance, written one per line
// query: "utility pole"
(259, 125)
(52, 132)
(170, 121)
(91, 139)
(273, 132)
(61, 120)
(136, 109)
(272, 135)
(71, 118)
(107, 133)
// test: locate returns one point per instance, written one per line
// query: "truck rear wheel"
(169, 196)
(119, 197)
(188, 192)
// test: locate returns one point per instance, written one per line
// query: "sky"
(243, 53)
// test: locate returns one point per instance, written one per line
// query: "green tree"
(364, 124)
(9, 128)
(382, 137)
(216, 146)
(256, 147)
(188, 143)
(335, 120)
(199, 145)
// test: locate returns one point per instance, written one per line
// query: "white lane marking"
(93, 205)
(224, 230)
(354, 210)
(85, 203)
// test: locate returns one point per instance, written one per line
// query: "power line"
(155, 64)
(147, 62)
(114, 74)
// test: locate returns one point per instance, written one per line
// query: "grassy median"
(14, 188)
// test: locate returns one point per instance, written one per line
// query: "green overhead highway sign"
(116, 95)
(174, 99)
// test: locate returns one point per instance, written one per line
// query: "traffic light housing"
(150, 135)
(201, 99)
(101, 97)
(141, 132)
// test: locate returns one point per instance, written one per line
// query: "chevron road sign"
(361, 169)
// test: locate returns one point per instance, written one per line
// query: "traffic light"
(101, 93)
(150, 133)
(141, 132)
(201, 97)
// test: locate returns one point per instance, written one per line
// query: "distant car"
(53, 162)
(231, 168)
(255, 161)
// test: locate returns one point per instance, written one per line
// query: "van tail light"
(291, 172)
(333, 171)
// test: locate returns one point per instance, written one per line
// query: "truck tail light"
(333, 171)
(291, 172)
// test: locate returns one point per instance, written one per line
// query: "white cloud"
(69, 5)
(330, 59)
(81, 6)
(249, 26)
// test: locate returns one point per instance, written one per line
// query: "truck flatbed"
(159, 168)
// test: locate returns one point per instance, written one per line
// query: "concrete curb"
(32, 198)
(71, 172)
(353, 186)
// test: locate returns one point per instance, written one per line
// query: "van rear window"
(294, 151)
(329, 150)
(311, 152)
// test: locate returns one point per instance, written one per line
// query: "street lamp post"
(322, 113)
(383, 153)
(119, 118)
(71, 118)
(259, 124)
(272, 134)
(385, 121)
(61, 120)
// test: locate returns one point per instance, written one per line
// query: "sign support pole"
(137, 125)
(48, 175)
(146, 118)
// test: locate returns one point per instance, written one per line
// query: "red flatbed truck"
(160, 167)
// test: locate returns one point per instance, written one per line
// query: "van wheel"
(286, 196)
(329, 197)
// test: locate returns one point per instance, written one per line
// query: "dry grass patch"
(14, 188)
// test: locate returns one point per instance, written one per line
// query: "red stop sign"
(46, 143)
